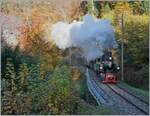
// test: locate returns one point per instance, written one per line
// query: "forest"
(37, 77)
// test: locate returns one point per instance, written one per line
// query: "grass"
(136, 90)
(87, 109)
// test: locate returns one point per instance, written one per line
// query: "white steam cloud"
(92, 35)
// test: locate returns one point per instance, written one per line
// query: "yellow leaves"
(76, 74)
(118, 32)
(136, 29)
(138, 18)
(23, 74)
(42, 71)
(39, 20)
(122, 7)
(109, 15)
(47, 63)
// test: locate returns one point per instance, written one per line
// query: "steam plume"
(92, 35)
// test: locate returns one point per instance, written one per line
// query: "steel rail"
(145, 112)
(133, 95)
(95, 91)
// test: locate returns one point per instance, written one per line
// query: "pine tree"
(106, 8)
(22, 76)
(9, 105)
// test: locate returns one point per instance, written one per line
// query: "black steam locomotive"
(105, 67)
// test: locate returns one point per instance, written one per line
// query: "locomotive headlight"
(110, 58)
(118, 67)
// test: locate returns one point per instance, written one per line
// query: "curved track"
(94, 90)
(136, 96)
(111, 95)
(135, 101)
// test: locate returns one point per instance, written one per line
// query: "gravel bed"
(134, 100)
(134, 92)
(117, 103)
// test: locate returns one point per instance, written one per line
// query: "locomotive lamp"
(118, 68)
(101, 67)
(110, 58)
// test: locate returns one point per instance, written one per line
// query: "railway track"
(98, 93)
(130, 92)
(132, 99)
(94, 90)
(111, 95)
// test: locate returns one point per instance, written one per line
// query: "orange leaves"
(33, 37)
(74, 10)
(31, 28)
(36, 29)
(38, 19)
(24, 29)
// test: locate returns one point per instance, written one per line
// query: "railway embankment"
(121, 100)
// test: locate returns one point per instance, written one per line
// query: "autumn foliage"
(36, 75)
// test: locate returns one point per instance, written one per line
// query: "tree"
(22, 76)
(38, 90)
(9, 105)
(135, 49)
(34, 39)
(139, 7)
(91, 8)
(74, 11)
(61, 98)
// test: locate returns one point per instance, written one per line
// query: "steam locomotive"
(105, 67)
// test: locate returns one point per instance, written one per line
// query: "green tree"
(9, 105)
(91, 8)
(60, 90)
(136, 34)
(136, 49)
(14, 98)
(139, 7)
(22, 76)
(106, 8)
(38, 90)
